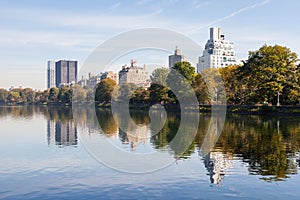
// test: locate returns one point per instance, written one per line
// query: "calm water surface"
(43, 156)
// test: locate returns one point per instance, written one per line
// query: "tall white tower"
(50, 74)
(218, 52)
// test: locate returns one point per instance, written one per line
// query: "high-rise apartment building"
(50, 74)
(65, 72)
(177, 57)
(218, 52)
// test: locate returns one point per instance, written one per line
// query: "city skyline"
(34, 32)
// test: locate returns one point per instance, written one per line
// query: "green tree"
(268, 72)
(181, 75)
(159, 94)
(159, 76)
(186, 70)
(141, 96)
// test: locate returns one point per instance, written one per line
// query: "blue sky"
(33, 32)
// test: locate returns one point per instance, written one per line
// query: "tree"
(13, 96)
(42, 96)
(186, 70)
(126, 91)
(104, 91)
(28, 95)
(79, 94)
(65, 94)
(181, 76)
(200, 89)
(3, 95)
(232, 86)
(159, 94)
(53, 94)
(140, 95)
(159, 76)
(268, 72)
(215, 85)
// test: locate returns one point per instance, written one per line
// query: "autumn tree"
(233, 87)
(200, 89)
(104, 90)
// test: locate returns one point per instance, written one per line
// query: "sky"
(33, 32)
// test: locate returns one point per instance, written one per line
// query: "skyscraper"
(50, 74)
(177, 57)
(218, 52)
(65, 72)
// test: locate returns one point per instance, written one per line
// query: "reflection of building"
(216, 164)
(218, 52)
(177, 57)
(50, 74)
(61, 133)
(134, 137)
(50, 132)
(134, 74)
(65, 72)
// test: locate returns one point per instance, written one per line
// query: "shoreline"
(282, 110)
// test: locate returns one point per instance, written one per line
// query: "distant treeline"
(270, 75)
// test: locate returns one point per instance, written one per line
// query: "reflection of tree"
(183, 146)
(165, 136)
(18, 111)
(106, 121)
(268, 145)
(267, 148)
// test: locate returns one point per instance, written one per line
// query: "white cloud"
(233, 14)
(200, 4)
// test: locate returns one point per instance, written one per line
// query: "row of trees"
(53, 95)
(271, 74)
